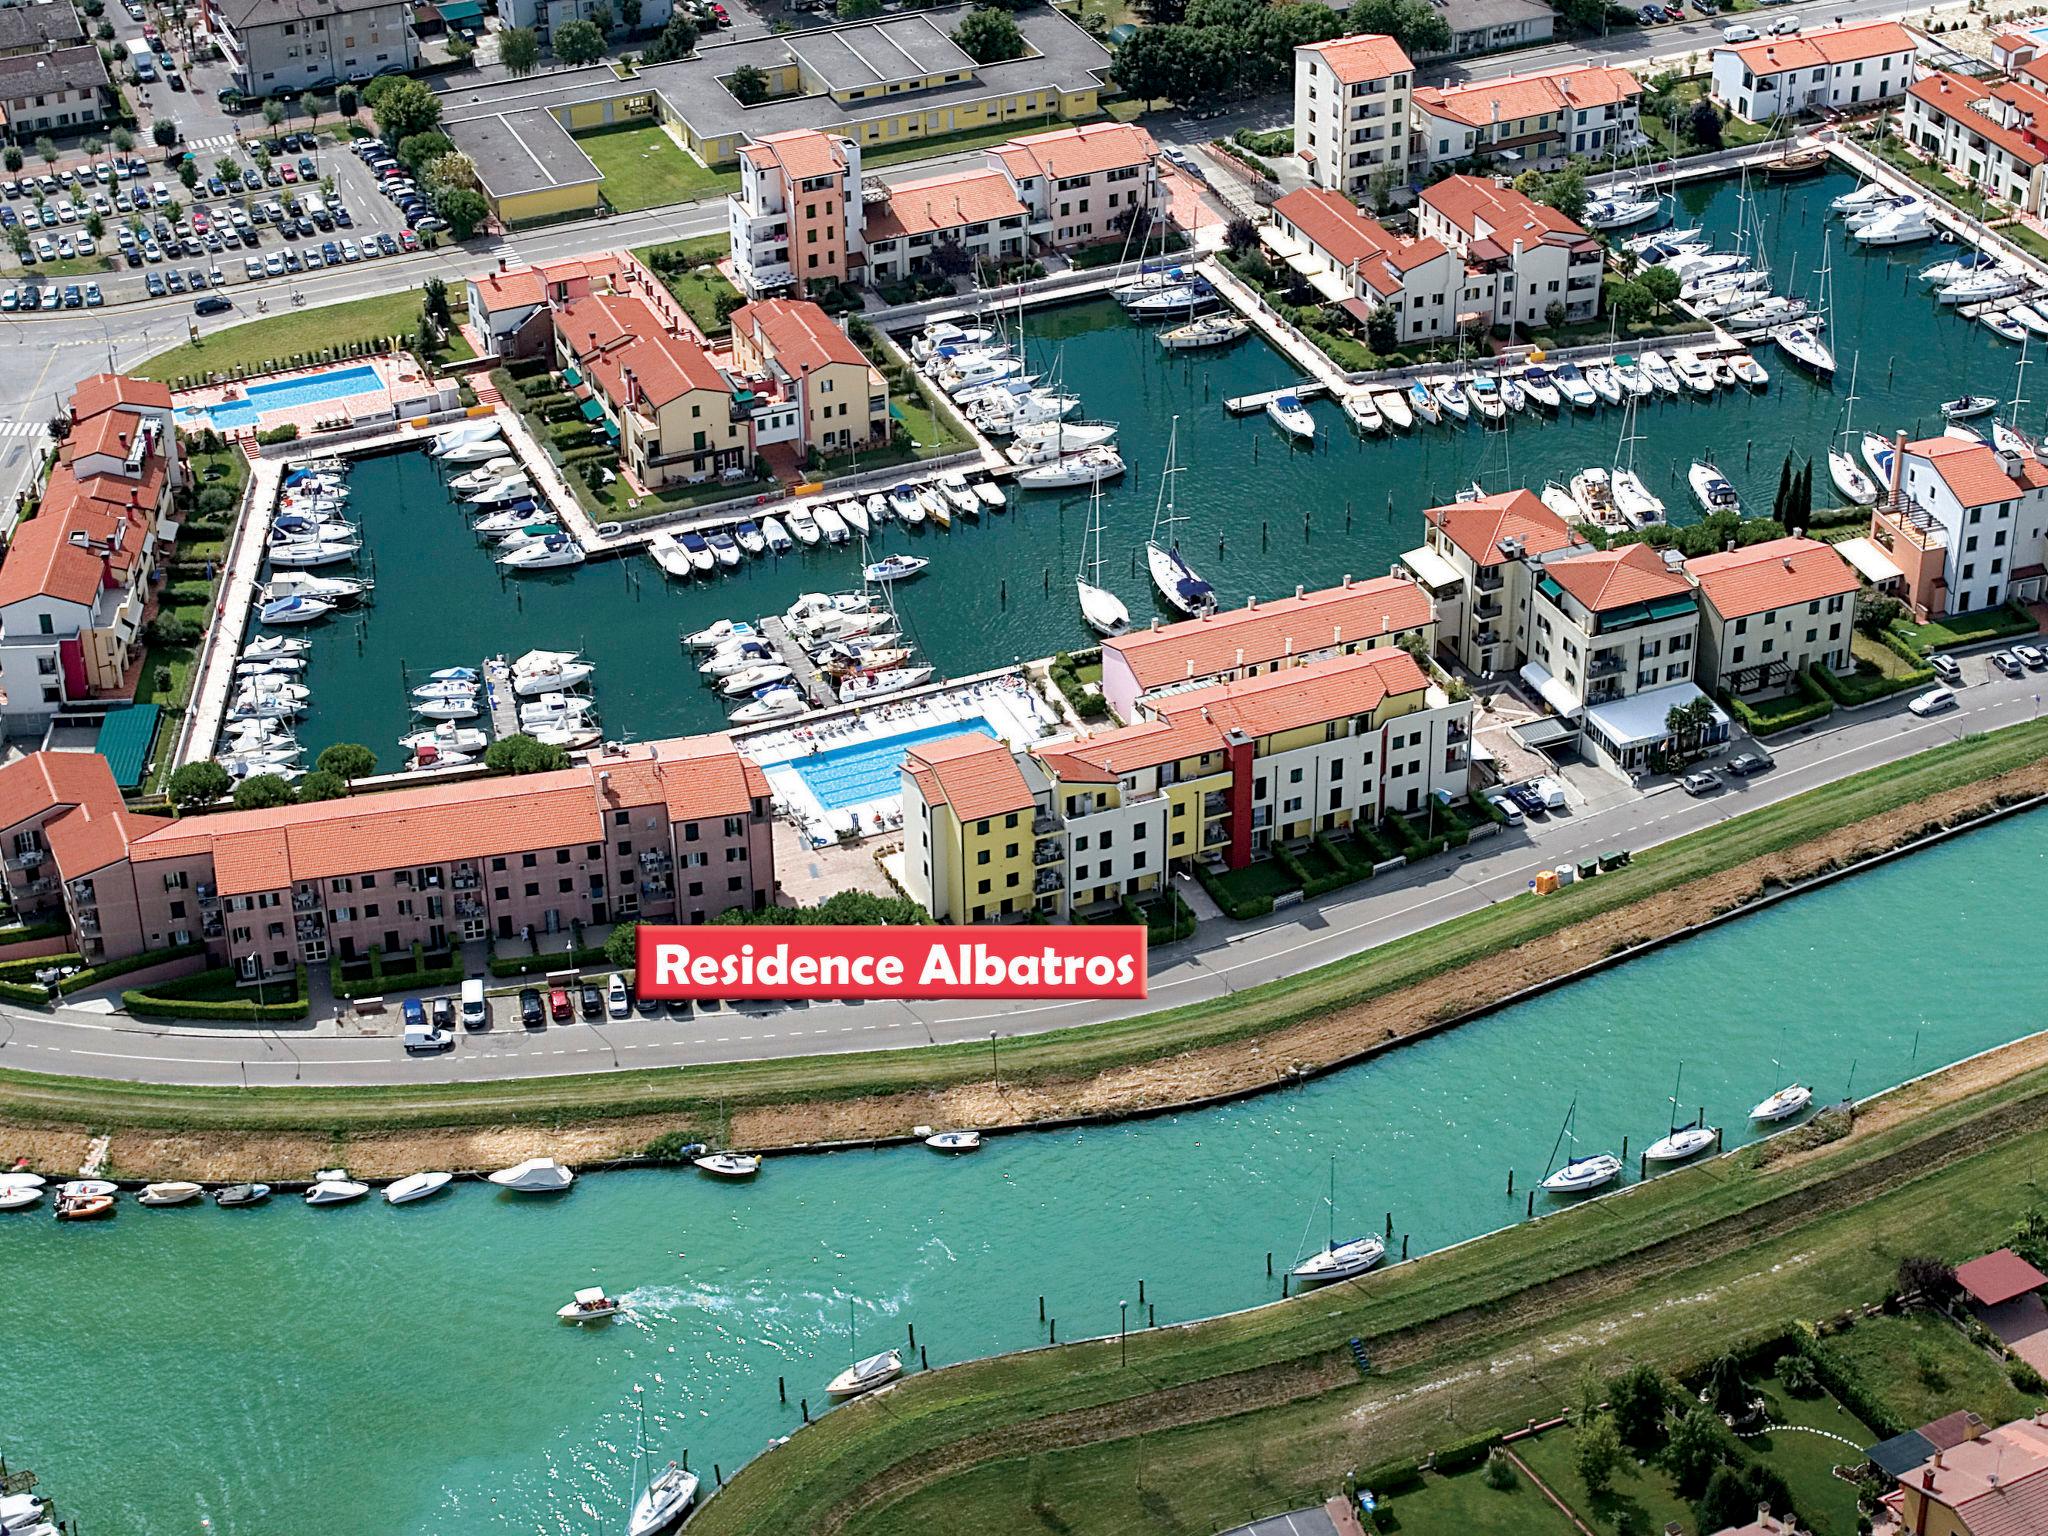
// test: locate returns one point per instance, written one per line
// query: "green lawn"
(1922, 1367)
(1465, 1506)
(1826, 1504)
(1262, 877)
(1734, 130)
(644, 168)
(1968, 628)
(1642, 1493)
(277, 339)
(931, 431)
(690, 272)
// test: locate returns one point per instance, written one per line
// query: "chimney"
(1300, 590)
(1240, 656)
(1898, 475)
(504, 265)
(1937, 1459)
(1927, 1476)
(1788, 562)
(1347, 579)
(1155, 621)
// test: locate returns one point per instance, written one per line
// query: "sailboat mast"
(1333, 1202)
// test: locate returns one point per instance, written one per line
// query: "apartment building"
(75, 583)
(1967, 525)
(510, 309)
(1769, 611)
(672, 831)
(798, 216)
(1353, 261)
(282, 47)
(1529, 121)
(1084, 184)
(39, 28)
(1351, 97)
(1260, 638)
(1220, 774)
(52, 92)
(35, 791)
(1829, 70)
(1520, 256)
(789, 353)
(1480, 561)
(1994, 134)
(547, 17)
(976, 213)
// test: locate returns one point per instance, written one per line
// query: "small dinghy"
(954, 1141)
(84, 1207)
(728, 1165)
(416, 1186)
(866, 1375)
(1684, 1141)
(86, 1189)
(1963, 407)
(1783, 1104)
(589, 1306)
(241, 1194)
(332, 1186)
(172, 1192)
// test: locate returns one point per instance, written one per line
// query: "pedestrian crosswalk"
(21, 428)
(218, 141)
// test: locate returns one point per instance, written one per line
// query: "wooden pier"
(815, 686)
(501, 697)
(1245, 405)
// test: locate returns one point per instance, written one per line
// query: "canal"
(369, 1371)
(1262, 518)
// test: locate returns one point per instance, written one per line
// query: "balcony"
(470, 910)
(1048, 880)
(1486, 608)
(1457, 731)
(313, 926)
(466, 879)
(1489, 579)
(1488, 635)
(1048, 853)
(88, 923)
(656, 889)
(1605, 693)
(305, 901)
(83, 893)
(212, 928)
(28, 860)
(1043, 825)
(1606, 664)
(1215, 835)
(656, 861)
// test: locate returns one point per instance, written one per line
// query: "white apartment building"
(1830, 70)
(1989, 133)
(1769, 611)
(282, 47)
(1520, 256)
(1987, 514)
(1522, 121)
(1351, 98)
(1349, 258)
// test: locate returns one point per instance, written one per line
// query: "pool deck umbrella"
(1998, 1277)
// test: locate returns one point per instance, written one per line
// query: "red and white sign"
(818, 963)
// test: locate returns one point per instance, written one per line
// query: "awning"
(1544, 734)
(1901, 1454)
(1434, 571)
(593, 410)
(611, 430)
(1358, 310)
(1279, 242)
(126, 735)
(571, 376)
(453, 11)
(1639, 720)
(1870, 560)
(1331, 285)
(1550, 690)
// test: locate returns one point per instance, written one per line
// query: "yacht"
(1711, 489)
(1075, 469)
(1393, 409)
(1620, 209)
(854, 515)
(553, 677)
(1208, 331)
(1634, 500)
(737, 657)
(1102, 608)
(804, 524)
(1975, 287)
(1871, 192)
(489, 474)
(1291, 417)
(771, 704)
(664, 1501)
(873, 685)
(1581, 1174)
(434, 691)
(331, 1186)
(590, 1305)
(535, 1176)
(1451, 399)
(499, 492)
(546, 554)
(1363, 413)
(1174, 578)
(1959, 266)
(895, 567)
(1486, 398)
(464, 708)
(479, 431)
(304, 554)
(1694, 372)
(335, 589)
(172, 1192)
(1571, 383)
(1538, 385)
(1662, 376)
(1902, 226)
(751, 540)
(760, 675)
(274, 646)
(1629, 374)
(954, 488)
(719, 633)
(1878, 453)
(1675, 238)
(1803, 345)
(1681, 1142)
(866, 1375)
(473, 453)
(777, 536)
(1604, 384)
(446, 737)
(1186, 300)
(1512, 395)
(1342, 1261)
(725, 548)
(1783, 1104)
(1593, 494)
(727, 1165)
(1422, 402)
(904, 503)
(830, 523)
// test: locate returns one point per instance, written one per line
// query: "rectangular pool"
(863, 771)
(313, 389)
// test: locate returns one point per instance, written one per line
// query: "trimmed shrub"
(1465, 1453)
(288, 433)
(107, 970)
(25, 993)
(1256, 906)
(29, 933)
(534, 965)
(25, 970)
(173, 1000)
(1392, 1477)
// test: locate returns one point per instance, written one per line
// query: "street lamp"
(256, 965)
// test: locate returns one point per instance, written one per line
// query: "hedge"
(18, 970)
(19, 992)
(1465, 1453)
(1391, 1477)
(1847, 1388)
(29, 933)
(416, 979)
(107, 970)
(167, 1000)
(1869, 688)
(1777, 715)
(527, 965)
(1179, 926)
(1242, 911)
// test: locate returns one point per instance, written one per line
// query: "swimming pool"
(870, 770)
(313, 389)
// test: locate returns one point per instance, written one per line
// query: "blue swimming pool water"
(337, 384)
(868, 770)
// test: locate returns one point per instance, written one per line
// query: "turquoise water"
(364, 1371)
(336, 384)
(856, 774)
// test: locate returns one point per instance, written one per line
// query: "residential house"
(1991, 133)
(61, 90)
(1529, 121)
(799, 216)
(1084, 184)
(510, 309)
(1828, 70)
(1967, 525)
(1769, 611)
(1260, 638)
(791, 359)
(282, 47)
(1989, 1482)
(39, 28)
(1480, 561)
(1521, 257)
(1487, 26)
(970, 216)
(34, 791)
(1351, 99)
(1353, 261)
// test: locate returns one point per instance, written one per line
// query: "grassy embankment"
(713, 1090)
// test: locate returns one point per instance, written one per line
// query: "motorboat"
(170, 1192)
(1451, 399)
(416, 1186)
(1291, 417)
(748, 534)
(1592, 492)
(250, 706)
(276, 666)
(446, 737)
(779, 541)
(669, 556)
(19, 1198)
(1749, 373)
(1878, 454)
(1976, 287)
(1363, 414)
(772, 704)
(479, 452)
(1186, 299)
(1485, 396)
(1075, 469)
(1736, 281)
(232, 1195)
(728, 1165)
(2002, 325)
(2031, 316)
(552, 679)
(954, 1141)
(1883, 208)
(1903, 226)
(1571, 384)
(1711, 489)
(1423, 403)
(866, 1375)
(554, 709)
(21, 1179)
(719, 633)
(448, 709)
(1683, 1141)
(854, 515)
(1963, 407)
(895, 567)
(972, 373)
(738, 657)
(335, 589)
(1958, 266)
(1865, 196)
(904, 503)
(831, 524)
(874, 685)
(879, 510)
(955, 489)
(1850, 479)
(811, 606)
(535, 1176)
(518, 516)
(304, 554)
(1604, 384)
(760, 675)
(1636, 244)
(1694, 372)
(1341, 1261)
(1634, 382)
(803, 524)
(84, 1207)
(502, 492)
(488, 474)
(1393, 409)
(1580, 1174)
(1803, 345)
(664, 1501)
(432, 692)
(1538, 385)
(550, 553)
(272, 646)
(331, 1186)
(989, 494)
(697, 550)
(589, 1306)
(1783, 1104)
(1660, 373)
(1634, 500)
(1207, 331)
(936, 507)
(725, 549)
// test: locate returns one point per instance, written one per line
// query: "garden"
(644, 168)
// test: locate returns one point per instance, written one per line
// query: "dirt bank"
(1193, 1075)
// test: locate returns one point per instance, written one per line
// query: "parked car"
(2035, 658)
(559, 1008)
(1739, 33)
(2008, 663)
(1784, 26)
(442, 1010)
(1505, 802)
(618, 996)
(212, 304)
(1751, 762)
(1947, 668)
(1702, 783)
(647, 1007)
(1529, 802)
(590, 1001)
(154, 282)
(1933, 702)
(424, 1037)
(531, 1012)
(1548, 790)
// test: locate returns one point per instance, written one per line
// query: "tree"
(402, 107)
(1796, 1374)
(13, 157)
(678, 40)
(95, 225)
(348, 101)
(1631, 302)
(1637, 1399)
(519, 50)
(454, 169)
(1732, 1497)
(463, 208)
(601, 17)
(434, 293)
(1416, 25)
(273, 113)
(1563, 190)
(1876, 612)
(629, 14)
(1727, 1391)
(859, 10)
(188, 173)
(1382, 330)
(749, 85)
(226, 168)
(1929, 1279)
(621, 945)
(1178, 64)
(1703, 127)
(46, 147)
(1554, 314)
(199, 784)
(347, 761)
(320, 786)
(262, 791)
(312, 104)
(124, 141)
(1240, 235)
(1598, 1457)
(520, 754)
(414, 153)
(1699, 1443)
(1661, 284)
(163, 133)
(578, 42)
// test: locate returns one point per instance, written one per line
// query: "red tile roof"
(1299, 696)
(1361, 57)
(1836, 45)
(114, 511)
(517, 289)
(611, 333)
(975, 774)
(1481, 103)
(1335, 226)
(1617, 578)
(804, 154)
(1975, 473)
(1483, 209)
(1086, 149)
(1478, 527)
(90, 836)
(42, 781)
(1961, 99)
(1291, 626)
(1999, 1276)
(798, 334)
(942, 203)
(1108, 755)
(104, 391)
(1778, 573)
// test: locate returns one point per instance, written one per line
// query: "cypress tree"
(1784, 495)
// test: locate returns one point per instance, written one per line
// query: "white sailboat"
(1340, 1261)
(1171, 574)
(1579, 1175)
(1843, 469)
(668, 1494)
(1680, 1141)
(864, 1375)
(1632, 499)
(1102, 608)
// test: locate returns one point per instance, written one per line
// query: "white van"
(1739, 33)
(476, 1012)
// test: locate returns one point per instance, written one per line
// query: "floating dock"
(814, 684)
(502, 698)
(1245, 405)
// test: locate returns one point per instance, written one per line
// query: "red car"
(718, 15)
(289, 172)
(558, 1005)
(408, 241)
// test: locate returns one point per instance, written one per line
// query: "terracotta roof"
(90, 836)
(1617, 578)
(1483, 209)
(1836, 45)
(975, 774)
(517, 289)
(1086, 149)
(42, 781)
(1477, 527)
(1335, 226)
(1106, 756)
(1997, 1483)
(803, 154)
(111, 432)
(1481, 103)
(1999, 1276)
(113, 511)
(1778, 573)
(43, 562)
(693, 779)
(103, 391)
(942, 203)
(2012, 42)
(611, 333)
(1297, 696)
(1954, 96)
(799, 335)
(1974, 472)
(1290, 626)
(1361, 57)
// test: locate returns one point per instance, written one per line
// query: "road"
(1222, 958)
